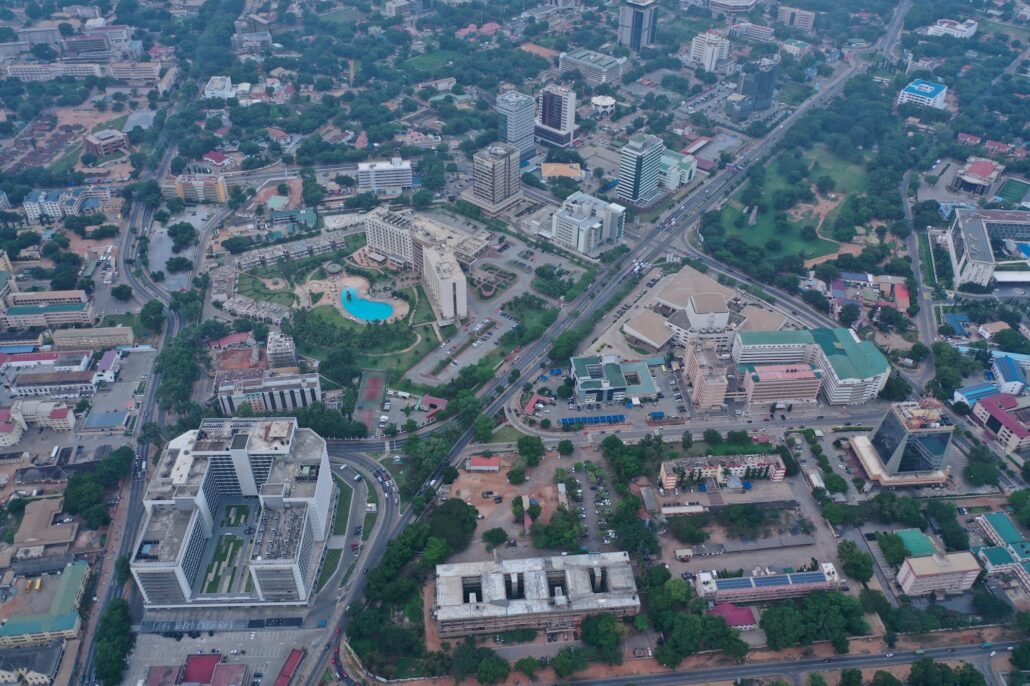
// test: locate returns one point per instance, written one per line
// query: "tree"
(855, 563)
(517, 474)
(454, 521)
(849, 314)
(531, 449)
(113, 642)
(495, 536)
(450, 474)
(422, 199)
(565, 447)
(528, 666)
(825, 184)
(568, 661)
(712, 437)
(601, 632)
(175, 265)
(687, 441)
(122, 292)
(122, 571)
(1020, 657)
(896, 389)
(483, 428)
(492, 669)
(851, 677)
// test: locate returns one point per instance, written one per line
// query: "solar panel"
(808, 578)
(775, 580)
(725, 584)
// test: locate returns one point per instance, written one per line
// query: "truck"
(986, 645)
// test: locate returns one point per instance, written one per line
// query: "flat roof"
(687, 282)
(22, 310)
(165, 530)
(650, 327)
(850, 358)
(926, 89)
(539, 576)
(38, 527)
(596, 58)
(916, 542)
(63, 613)
(949, 563)
(1003, 526)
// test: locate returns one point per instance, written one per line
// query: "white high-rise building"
(640, 164)
(236, 514)
(517, 113)
(393, 177)
(496, 178)
(556, 115)
(588, 225)
(445, 283)
(708, 49)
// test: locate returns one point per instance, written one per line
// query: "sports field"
(371, 391)
(1014, 190)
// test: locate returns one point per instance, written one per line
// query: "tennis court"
(1014, 190)
(371, 391)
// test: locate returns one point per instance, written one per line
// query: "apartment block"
(281, 351)
(445, 284)
(106, 142)
(393, 177)
(553, 594)
(943, 574)
(40, 204)
(596, 68)
(98, 338)
(681, 471)
(792, 16)
(279, 471)
(709, 50)
(269, 393)
(588, 225)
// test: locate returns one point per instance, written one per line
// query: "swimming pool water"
(1024, 248)
(366, 310)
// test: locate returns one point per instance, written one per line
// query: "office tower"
(638, 24)
(708, 49)
(517, 113)
(911, 438)
(758, 82)
(259, 493)
(588, 225)
(792, 16)
(393, 177)
(281, 350)
(640, 162)
(556, 115)
(496, 180)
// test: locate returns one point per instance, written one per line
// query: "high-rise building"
(792, 16)
(496, 178)
(640, 162)
(202, 188)
(912, 438)
(517, 119)
(392, 177)
(267, 477)
(638, 24)
(758, 82)
(556, 115)
(596, 68)
(708, 49)
(281, 351)
(445, 283)
(588, 225)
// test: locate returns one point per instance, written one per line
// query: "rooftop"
(24, 310)
(62, 613)
(916, 542)
(163, 535)
(925, 414)
(1003, 527)
(279, 532)
(596, 58)
(940, 563)
(926, 89)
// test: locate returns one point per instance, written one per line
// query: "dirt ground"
(844, 248)
(269, 190)
(819, 209)
(239, 359)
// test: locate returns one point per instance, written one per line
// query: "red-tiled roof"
(998, 406)
(484, 461)
(981, 168)
(200, 668)
(734, 614)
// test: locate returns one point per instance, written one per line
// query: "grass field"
(115, 124)
(370, 517)
(1016, 32)
(127, 319)
(66, 161)
(222, 561)
(253, 288)
(506, 434)
(396, 472)
(434, 60)
(342, 507)
(332, 561)
(343, 16)
(1014, 190)
(926, 260)
(850, 178)
(424, 311)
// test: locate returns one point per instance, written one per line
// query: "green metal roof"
(591, 372)
(1004, 527)
(996, 556)
(850, 359)
(916, 542)
(43, 309)
(785, 337)
(1021, 549)
(63, 613)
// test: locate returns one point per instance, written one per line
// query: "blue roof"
(1009, 370)
(926, 89)
(1018, 357)
(974, 392)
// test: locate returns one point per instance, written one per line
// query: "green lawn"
(850, 177)
(343, 16)
(424, 311)
(396, 472)
(926, 261)
(433, 60)
(1012, 31)
(66, 161)
(506, 434)
(342, 507)
(222, 561)
(115, 124)
(370, 517)
(332, 561)
(253, 288)
(127, 319)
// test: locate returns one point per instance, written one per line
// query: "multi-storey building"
(556, 116)
(596, 68)
(925, 93)
(106, 142)
(781, 383)
(969, 241)
(35, 309)
(269, 393)
(98, 338)
(709, 50)
(758, 82)
(588, 225)
(676, 171)
(393, 177)
(640, 163)
(218, 88)
(607, 378)
(201, 188)
(792, 16)
(707, 375)
(942, 573)
(751, 589)
(516, 121)
(51, 71)
(496, 178)
(55, 619)
(147, 73)
(955, 29)
(912, 438)
(853, 371)
(93, 48)
(747, 31)
(638, 24)
(57, 385)
(46, 414)
(1005, 418)
(445, 283)
(732, 6)
(281, 351)
(549, 593)
(279, 474)
(40, 204)
(683, 470)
